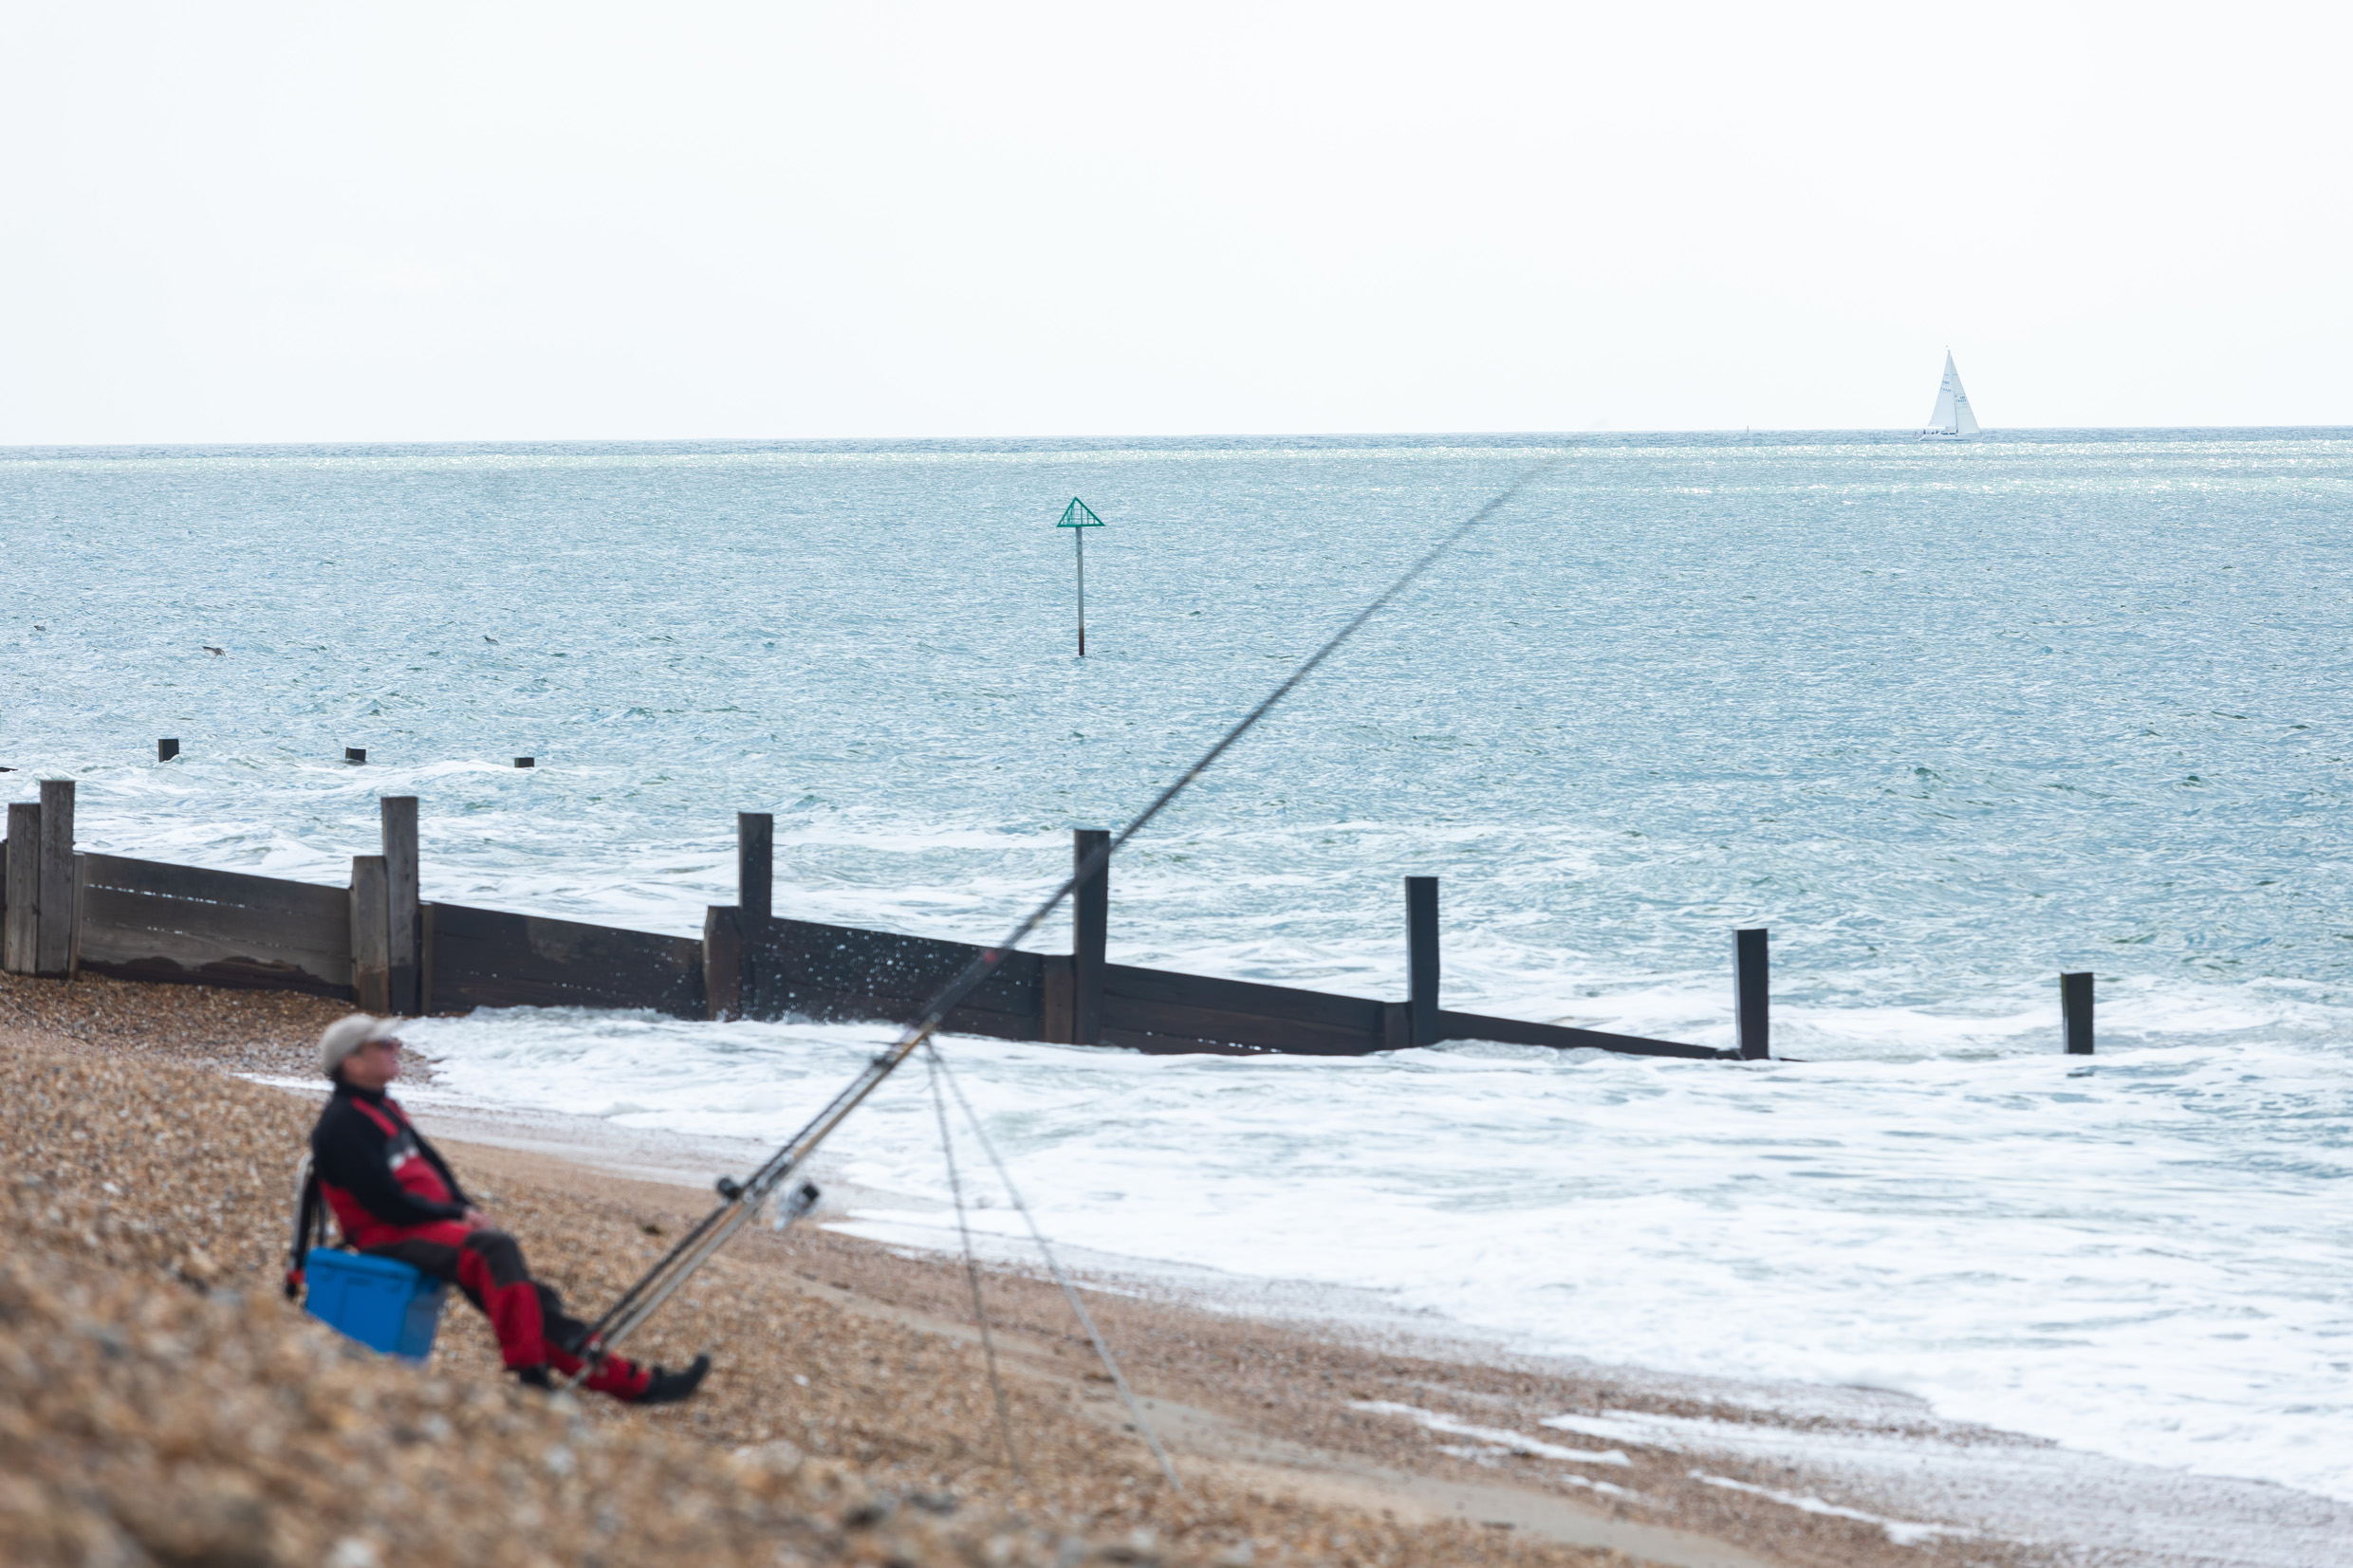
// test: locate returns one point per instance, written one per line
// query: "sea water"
(1949, 718)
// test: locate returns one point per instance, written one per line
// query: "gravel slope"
(159, 1403)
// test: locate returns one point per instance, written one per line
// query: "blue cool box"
(384, 1304)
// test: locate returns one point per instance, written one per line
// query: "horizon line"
(122, 445)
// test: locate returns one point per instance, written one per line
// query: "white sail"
(1953, 416)
(1942, 419)
(1964, 417)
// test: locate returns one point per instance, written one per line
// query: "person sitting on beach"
(395, 1197)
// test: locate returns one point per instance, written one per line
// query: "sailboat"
(1953, 417)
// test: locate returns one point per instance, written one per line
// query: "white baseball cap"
(348, 1035)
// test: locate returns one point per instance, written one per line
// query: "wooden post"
(371, 931)
(1055, 990)
(1421, 959)
(80, 886)
(398, 814)
(1752, 994)
(166, 750)
(2075, 1007)
(20, 922)
(424, 960)
(723, 962)
(55, 955)
(1090, 932)
(755, 866)
(755, 893)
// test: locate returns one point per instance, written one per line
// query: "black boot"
(668, 1388)
(533, 1377)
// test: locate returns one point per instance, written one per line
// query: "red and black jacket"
(383, 1179)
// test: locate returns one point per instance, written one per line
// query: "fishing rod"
(740, 1202)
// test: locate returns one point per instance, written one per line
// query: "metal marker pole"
(1078, 517)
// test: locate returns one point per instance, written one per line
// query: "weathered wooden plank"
(1512, 1031)
(723, 962)
(1057, 994)
(1264, 1037)
(1296, 1036)
(1421, 959)
(371, 933)
(54, 955)
(189, 893)
(20, 921)
(756, 865)
(183, 958)
(145, 920)
(2075, 1009)
(854, 1008)
(1090, 929)
(1241, 1012)
(424, 960)
(1752, 994)
(399, 815)
(1240, 996)
(80, 877)
(489, 958)
(230, 926)
(816, 970)
(197, 885)
(833, 1006)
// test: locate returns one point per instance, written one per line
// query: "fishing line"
(741, 1201)
(971, 1264)
(1045, 1250)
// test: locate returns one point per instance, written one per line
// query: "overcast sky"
(353, 222)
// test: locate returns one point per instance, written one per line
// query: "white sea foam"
(1502, 1439)
(2017, 1242)
(1904, 1533)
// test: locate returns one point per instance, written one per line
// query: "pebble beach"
(168, 1407)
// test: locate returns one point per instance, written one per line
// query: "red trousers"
(529, 1318)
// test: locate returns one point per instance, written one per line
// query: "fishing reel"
(802, 1199)
(800, 1202)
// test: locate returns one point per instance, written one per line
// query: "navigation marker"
(1078, 517)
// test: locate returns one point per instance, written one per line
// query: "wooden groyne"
(376, 942)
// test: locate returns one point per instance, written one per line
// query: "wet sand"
(1302, 1434)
